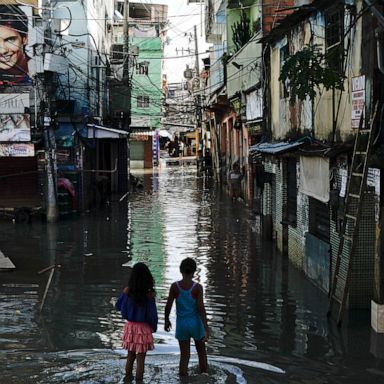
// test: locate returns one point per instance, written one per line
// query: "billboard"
(16, 56)
(15, 127)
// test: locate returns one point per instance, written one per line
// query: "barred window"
(319, 223)
(142, 101)
(142, 68)
(334, 37)
(284, 86)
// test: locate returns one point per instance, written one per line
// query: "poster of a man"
(13, 41)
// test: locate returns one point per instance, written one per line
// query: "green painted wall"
(151, 51)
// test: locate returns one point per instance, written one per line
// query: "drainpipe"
(379, 50)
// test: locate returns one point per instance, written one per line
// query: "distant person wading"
(234, 181)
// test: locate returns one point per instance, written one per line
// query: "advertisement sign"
(358, 99)
(17, 51)
(15, 127)
(14, 102)
(17, 150)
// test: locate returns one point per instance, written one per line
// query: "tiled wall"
(274, 197)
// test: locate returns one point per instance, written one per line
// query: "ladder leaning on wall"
(352, 213)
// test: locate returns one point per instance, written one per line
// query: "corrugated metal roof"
(274, 148)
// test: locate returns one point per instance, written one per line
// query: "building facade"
(293, 129)
(146, 53)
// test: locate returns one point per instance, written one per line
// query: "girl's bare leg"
(130, 360)
(185, 352)
(202, 354)
(140, 366)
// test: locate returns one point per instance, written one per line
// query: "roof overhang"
(274, 148)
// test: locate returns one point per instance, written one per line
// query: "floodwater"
(268, 323)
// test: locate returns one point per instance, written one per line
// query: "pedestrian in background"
(191, 318)
(137, 305)
(234, 181)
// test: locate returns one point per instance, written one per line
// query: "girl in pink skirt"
(137, 305)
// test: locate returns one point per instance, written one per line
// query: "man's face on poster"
(11, 47)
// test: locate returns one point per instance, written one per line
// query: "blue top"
(186, 305)
(139, 313)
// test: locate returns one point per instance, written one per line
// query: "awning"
(164, 133)
(100, 132)
(274, 148)
(141, 132)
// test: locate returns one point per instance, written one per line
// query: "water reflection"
(268, 323)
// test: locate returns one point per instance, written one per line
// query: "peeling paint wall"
(316, 117)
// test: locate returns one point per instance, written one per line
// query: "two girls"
(137, 305)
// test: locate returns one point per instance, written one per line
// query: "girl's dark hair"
(188, 266)
(13, 17)
(140, 283)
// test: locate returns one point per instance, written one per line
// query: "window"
(142, 68)
(334, 37)
(142, 101)
(284, 86)
(319, 224)
(291, 192)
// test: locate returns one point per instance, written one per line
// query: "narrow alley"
(268, 322)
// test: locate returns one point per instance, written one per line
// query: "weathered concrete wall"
(315, 116)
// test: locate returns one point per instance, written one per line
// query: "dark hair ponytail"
(141, 283)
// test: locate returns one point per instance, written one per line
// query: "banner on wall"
(314, 177)
(357, 100)
(17, 150)
(14, 102)
(17, 37)
(15, 127)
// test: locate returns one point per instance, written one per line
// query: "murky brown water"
(268, 322)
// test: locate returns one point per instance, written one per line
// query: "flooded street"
(268, 323)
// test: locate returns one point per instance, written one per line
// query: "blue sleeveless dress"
(188, 321)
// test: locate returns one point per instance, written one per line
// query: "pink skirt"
(137, 337)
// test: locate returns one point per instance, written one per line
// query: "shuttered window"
(319, 224)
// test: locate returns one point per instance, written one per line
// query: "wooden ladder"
(352, 211)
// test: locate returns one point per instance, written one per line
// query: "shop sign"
(17, 150)
(358, 100)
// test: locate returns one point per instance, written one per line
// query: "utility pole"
(198, 99)
(126, 42)
(52, 212)
(127, 84)
(126, 65)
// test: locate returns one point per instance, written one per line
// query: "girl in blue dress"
(191, 319)
(138, 307)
